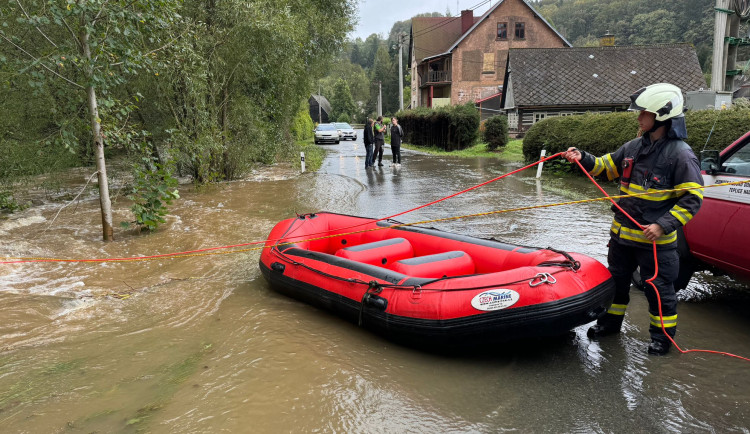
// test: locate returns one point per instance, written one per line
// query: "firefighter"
(657, 160)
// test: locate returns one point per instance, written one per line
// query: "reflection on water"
(201, 344)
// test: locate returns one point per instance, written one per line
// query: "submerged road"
(201, 344)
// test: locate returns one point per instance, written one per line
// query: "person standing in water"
(379, 141)
(397, 134)
(654, 163)
(369, 140)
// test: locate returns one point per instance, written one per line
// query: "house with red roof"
(455, 60)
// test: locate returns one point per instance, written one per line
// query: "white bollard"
(302, 160)
(539, 168)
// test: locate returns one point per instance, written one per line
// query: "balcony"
(438, 77)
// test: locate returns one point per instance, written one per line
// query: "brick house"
(455, 60)
(541, 83)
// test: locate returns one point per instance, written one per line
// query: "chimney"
(467, 20)
(607, 40)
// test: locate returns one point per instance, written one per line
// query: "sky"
(378, 16)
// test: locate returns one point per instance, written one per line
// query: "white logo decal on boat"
(495, 300)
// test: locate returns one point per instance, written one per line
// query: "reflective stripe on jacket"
(667, 164)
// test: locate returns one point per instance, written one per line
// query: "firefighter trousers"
(623, 261)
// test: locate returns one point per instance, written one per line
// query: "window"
(739, 162)
(488, 65)
(502, 30)
(513, 120)
(520, 30)
(539, 116)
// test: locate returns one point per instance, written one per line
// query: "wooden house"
(320, 109)
(540, 83)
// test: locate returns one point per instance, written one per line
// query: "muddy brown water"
(201, 344)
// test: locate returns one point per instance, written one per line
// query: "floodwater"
(201, 344)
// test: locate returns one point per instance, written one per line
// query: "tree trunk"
(96, 131)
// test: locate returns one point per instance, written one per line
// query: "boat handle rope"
(373, 288)
(656, 273)
(570, 263)
(416, 289)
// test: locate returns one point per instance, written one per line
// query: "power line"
(446, 22)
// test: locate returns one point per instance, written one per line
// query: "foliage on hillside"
(634, 22)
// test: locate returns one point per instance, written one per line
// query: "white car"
(326, 133)
(346, 131)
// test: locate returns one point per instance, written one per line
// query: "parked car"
(717, 238)
(326, 133)
(346, 131)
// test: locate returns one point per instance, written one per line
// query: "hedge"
(600, 134)
(450, 128)
(495, 132)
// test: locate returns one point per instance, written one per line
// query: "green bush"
(496, 132)
(7, 202)
(343, 117)
(28, 158)
(716, 129)
(153, 190)
(600, 134)
(450, 128)
(302, 124)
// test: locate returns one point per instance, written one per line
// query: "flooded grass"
(511, 152)
(172, 377)
(314, 155)
(63, 367)
(32, 385)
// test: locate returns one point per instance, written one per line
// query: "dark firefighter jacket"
(667, 164)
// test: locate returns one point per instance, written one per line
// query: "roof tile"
(599, 75)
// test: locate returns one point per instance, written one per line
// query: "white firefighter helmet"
(663, 99)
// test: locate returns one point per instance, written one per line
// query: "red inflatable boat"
(424, 286)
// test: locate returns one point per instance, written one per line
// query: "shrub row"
(600, 134)
(450, 128)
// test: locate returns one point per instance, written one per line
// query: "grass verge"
(314, 155)
(513, 151)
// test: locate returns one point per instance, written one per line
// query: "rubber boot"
(659, 347)
(599, 330)
(607, 325)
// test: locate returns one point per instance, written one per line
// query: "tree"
(341, 101)
(660, 22)
(384, 72)
(234, 88)
(79, 53)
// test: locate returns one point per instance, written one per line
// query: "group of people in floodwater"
(374, 138)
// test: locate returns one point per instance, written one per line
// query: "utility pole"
(319, 104)
(380, 98)
(720, 47)
(401, 37)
